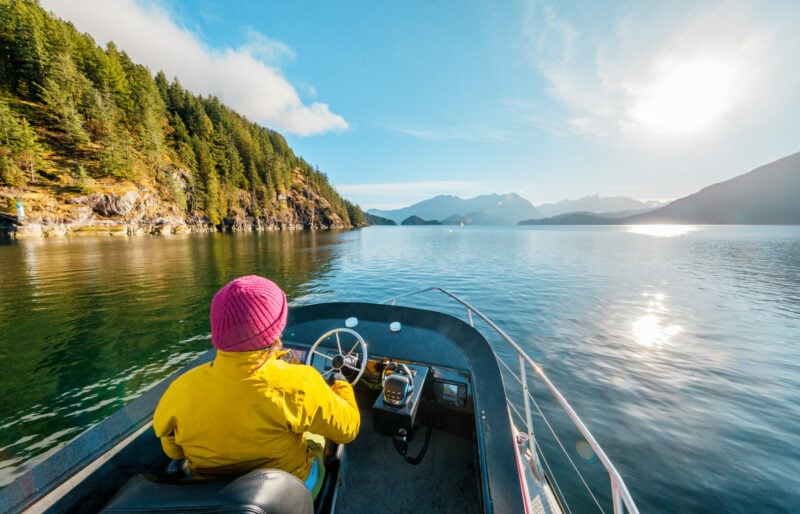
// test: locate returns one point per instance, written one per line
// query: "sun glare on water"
(649, 330)
(686, 96)
(661, 230)
(655, 328)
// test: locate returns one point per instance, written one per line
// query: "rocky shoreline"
(163, 226)
(136, 213)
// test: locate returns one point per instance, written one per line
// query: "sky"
(397, 102)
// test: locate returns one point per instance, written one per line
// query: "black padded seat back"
(262, 491)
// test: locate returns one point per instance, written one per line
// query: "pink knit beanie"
(247, 314)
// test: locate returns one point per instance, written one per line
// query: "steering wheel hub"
(353, 359)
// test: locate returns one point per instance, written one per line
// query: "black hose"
(416, 460)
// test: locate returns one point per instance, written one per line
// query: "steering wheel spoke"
(342, 360)
(339, 344)
(326, 357)
(352, 368)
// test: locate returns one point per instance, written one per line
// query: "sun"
(686, 96)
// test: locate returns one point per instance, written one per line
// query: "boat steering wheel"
(343, 360)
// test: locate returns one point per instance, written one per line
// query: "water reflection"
(662, 230)
(650, 331)
(653, 328)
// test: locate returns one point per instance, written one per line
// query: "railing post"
(523, 373)
(617, 499)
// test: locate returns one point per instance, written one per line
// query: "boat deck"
(378, 479)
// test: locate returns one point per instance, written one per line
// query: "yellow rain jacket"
(247, 410)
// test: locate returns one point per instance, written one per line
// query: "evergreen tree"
(19, 147)
(355, 214)
(63, 92)
(209, 189)
(10, 173)
(27, 59)
(147, 118)
(28, 147)
(116, 80)
(163, 87)
(8, 121)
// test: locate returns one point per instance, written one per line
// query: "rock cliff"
(126, 209)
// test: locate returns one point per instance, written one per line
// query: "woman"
(249, 408)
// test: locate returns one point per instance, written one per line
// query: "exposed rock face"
(140, 211)
(109, 204)
(145, 208)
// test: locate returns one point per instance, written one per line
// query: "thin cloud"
(481, 134)
(267, 50)
(531, 114)
(246, 78)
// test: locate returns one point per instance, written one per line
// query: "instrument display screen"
(450, 393)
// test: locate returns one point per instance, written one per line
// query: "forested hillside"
(85, 127)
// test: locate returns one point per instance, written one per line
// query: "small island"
(416, 220)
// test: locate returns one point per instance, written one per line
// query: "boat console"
(396, 410)
(403, 387)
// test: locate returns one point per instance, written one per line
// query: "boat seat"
(261, 491)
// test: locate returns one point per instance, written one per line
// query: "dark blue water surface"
(679, 347)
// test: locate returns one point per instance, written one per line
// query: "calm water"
(679, 350)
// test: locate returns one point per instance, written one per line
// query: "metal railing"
(620, 495)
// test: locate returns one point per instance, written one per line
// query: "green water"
(89, 324)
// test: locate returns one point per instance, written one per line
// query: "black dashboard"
(445, 387)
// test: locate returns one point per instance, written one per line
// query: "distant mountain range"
(494, 209)
(574, 218)
(609, 206)
(505, 209)
(767, 195)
